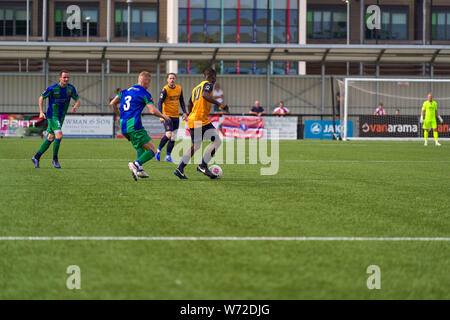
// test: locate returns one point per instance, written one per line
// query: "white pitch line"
(282, 160)
(129, 238)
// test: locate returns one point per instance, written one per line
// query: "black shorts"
(209, 129)
(172, 125)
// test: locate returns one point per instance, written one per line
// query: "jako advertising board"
(323, 129)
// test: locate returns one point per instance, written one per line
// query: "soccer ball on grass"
(216, 170)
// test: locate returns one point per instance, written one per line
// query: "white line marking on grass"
(282, 160)
(369, 161)
(129, 238)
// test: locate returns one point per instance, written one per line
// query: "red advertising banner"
(243, 127)
(215, 121)
(19, 125)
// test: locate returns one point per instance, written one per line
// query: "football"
(216, 170)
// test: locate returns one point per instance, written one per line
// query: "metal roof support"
(158, 71)
(377, 98)
(380, 55)
(377, 74)
(158, 86)
(213, 59)
(299, 94)
(323, 89)
(103, 85)
(324, 57)
(46, 72)
(268, 97)
(435, 54)
(46, 66)
(431, 76)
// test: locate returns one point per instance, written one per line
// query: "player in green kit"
(429, 108)
(132, 102)
(59, 96)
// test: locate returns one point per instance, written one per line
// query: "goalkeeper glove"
(440, 119)
(421, 119)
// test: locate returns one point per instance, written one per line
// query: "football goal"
(389, 108)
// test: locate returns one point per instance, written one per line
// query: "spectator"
(218, 95)
(380, 111)
(397, 112)
(257, 110)
(281, 109)
(114, 94)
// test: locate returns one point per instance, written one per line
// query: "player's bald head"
(430, 96)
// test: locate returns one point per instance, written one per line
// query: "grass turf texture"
(323, 188)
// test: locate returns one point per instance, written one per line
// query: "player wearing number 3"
(429, 108)
(132, 102)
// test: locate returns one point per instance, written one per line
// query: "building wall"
(302, 95)
(414, 37)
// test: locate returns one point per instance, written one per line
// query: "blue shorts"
(172, 125)
(211, 135)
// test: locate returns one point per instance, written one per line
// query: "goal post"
(401, 101)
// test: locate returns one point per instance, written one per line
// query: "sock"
(146, 156)
(425, 135)
(170, 146)
(185, 160)
(162, 143)
(435, 135)
(140, 152)
(181, 166)
(44, 146)
(56, 148)
(209, 153)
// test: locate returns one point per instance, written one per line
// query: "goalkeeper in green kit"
(429, 109)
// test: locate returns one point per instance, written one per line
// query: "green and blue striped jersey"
(59, 99)
(132, 101)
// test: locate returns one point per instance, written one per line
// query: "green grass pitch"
(322, 189)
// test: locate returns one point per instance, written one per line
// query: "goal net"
(385, 108)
